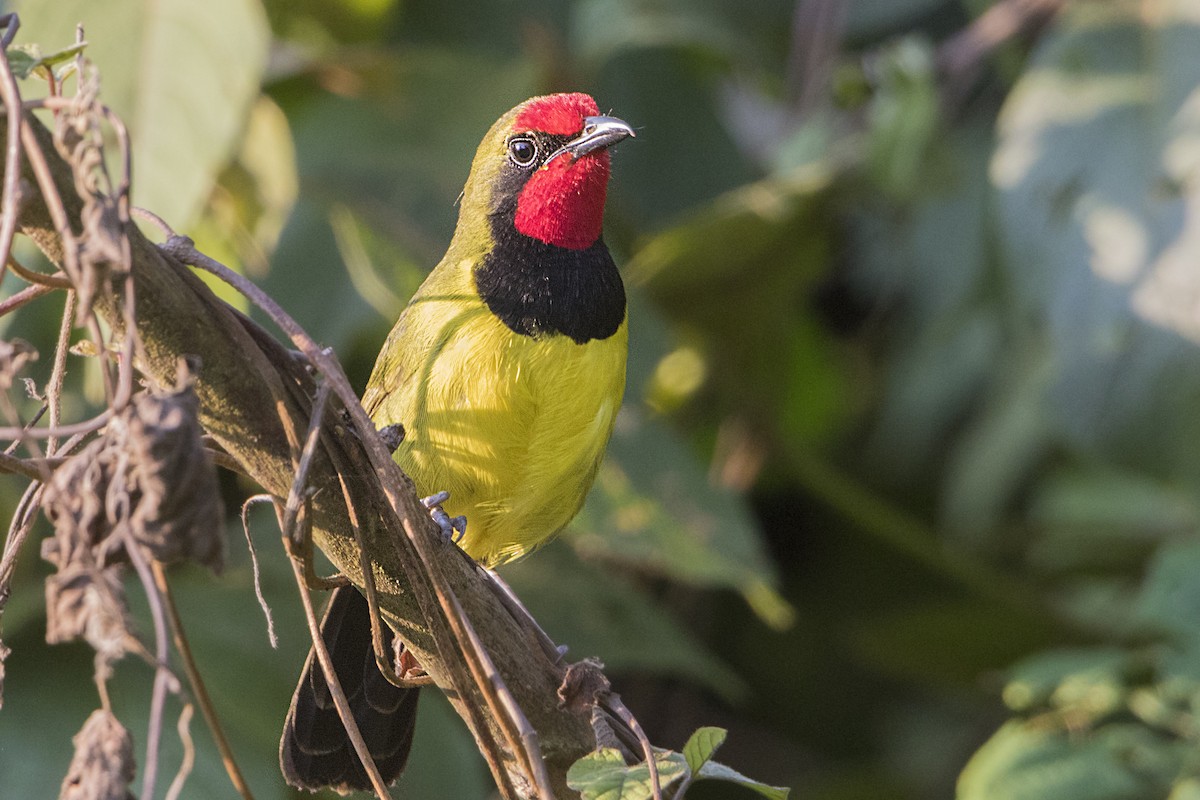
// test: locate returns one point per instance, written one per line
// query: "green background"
(904, 491)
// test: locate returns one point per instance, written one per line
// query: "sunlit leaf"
(1064, 677)
(181, 74)
(252, 201)
(25, 59)
(1098, 177)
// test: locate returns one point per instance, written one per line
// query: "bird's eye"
(522, 151)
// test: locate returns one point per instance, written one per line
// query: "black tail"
(315, 751)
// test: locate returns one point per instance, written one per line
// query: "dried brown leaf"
(88, 602)
(103, 764)
(178, 514)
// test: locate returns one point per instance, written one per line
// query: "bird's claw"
(453, 528)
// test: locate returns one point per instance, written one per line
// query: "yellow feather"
(513, 427)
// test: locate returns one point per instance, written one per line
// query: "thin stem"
(189, 753)
(54, 387)
(56, 281)
(196, 681)
(615, 704)
(335, 686)
(162, 674)
(36, 469)
(11, 94)
(29, 293)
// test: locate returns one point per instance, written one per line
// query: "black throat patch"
(540, 289)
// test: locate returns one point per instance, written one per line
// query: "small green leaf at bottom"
(714, 771)
(25, 59)
(604, 775)
(701, 746)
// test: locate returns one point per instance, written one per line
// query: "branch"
(251, 392)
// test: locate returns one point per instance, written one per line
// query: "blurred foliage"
(904, 491)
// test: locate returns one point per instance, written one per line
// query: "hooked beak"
(598, 133)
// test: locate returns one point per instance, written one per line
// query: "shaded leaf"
(597, 614)
(735, 273)
(603, 28)
(654, 509)
(1169, 601)
(1035, 762)
(714, 771)
(1095, 517)
(603, 775)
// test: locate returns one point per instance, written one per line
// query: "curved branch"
(247, 383)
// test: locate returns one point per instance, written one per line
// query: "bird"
(506, 371)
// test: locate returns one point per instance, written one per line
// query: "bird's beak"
(598, 133)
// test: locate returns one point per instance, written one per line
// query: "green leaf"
(731, 272)
(903, 116)
(654, 509)
(714, 771)
(181, 74)
(603, 28)
(1033, 761)
(246, 214)
(701, 746)
(603, 775)
(1092, 680)
(1169, 602)
(1096, 517)
(25, 59)
(595, 613)
(1099, 211)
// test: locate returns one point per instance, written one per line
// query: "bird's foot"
(453, 528)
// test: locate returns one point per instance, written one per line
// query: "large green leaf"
(1031, 761)
(734, 272)
(653, 508)
(596, 614)
(391, 187)
(181, 74)
(1098, 180)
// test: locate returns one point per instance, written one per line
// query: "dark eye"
(522, 151)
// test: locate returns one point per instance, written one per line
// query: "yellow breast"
(514, 427)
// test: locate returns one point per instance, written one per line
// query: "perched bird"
(506, 371)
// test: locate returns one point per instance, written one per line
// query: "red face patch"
(563, 202)
(558, 114)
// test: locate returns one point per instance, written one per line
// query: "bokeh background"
(904, 490)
